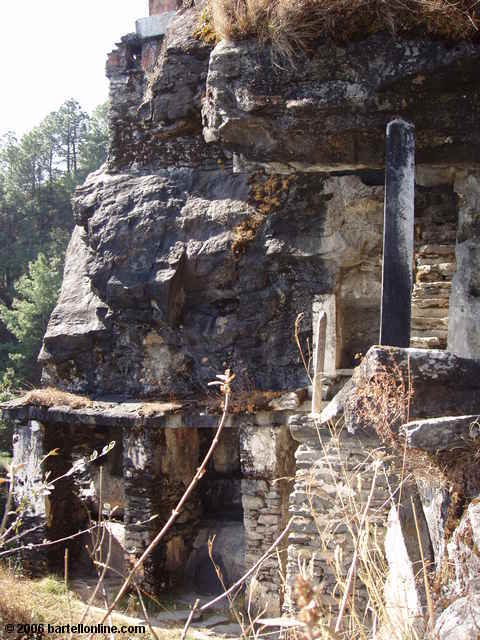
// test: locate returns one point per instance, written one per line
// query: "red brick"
(160, 6)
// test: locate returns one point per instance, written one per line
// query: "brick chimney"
(161, 6)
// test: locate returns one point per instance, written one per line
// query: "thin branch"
(252, 569)
(175, 513)
(8, 505)
(189, 619)
(145, 612)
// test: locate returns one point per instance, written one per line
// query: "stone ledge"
(448, 432)
(130, 413)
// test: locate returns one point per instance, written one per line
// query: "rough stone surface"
(28, 450)
(331, 111)
(188, 259)
(154, 25)
(461, 620)
(443, 433)
(464, 551)
(267, 460)
(463, 326)
(332, 476)
(442, 383)
(177, 303)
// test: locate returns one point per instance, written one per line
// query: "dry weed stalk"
(224, 381)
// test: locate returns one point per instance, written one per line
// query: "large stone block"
(442, 384)
(154, 25)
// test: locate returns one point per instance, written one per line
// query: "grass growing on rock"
(292, 27)
(51, 397)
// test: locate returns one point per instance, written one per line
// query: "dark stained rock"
(179, 301)
(331, 111)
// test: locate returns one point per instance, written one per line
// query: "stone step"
(429, 312)
(439, 234)
(431, 342)
(435, 289)
(423, 323)
(433, 273)
(420, 302)
(429, 333)
(435, 250)
(438, 214)
(420, 261)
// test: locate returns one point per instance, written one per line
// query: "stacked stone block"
(333, 480)
(435, 231)
(267, 459)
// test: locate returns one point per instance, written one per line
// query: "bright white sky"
(52, 50)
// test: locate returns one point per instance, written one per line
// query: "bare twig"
(424, 567)
(69, 604)
(231, 600)
(225, 387)
(189, 619)
(145, 612)
(8, 504)
(49, 543)
(252, 569)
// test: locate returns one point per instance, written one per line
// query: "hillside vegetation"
(296, 26)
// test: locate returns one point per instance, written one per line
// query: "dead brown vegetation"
(267, 192)
(292, 27)
(51, 397)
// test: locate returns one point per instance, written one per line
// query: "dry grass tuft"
(51, 397)
(267, 193)
(149, 409)
(292, 27)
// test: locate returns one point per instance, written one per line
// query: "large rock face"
(187, 260)
(332, 110)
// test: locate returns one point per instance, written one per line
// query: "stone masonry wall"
(334, 475)
(267, 458)
(436, 214)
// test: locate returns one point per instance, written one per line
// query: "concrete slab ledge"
(154, 26)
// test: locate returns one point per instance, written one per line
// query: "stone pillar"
(398, 235)
(140, 474)
(28, 450)
(266, 453)
(464, 309)
(319, 363)
(158, 466)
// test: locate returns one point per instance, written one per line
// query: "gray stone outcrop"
(330, 112)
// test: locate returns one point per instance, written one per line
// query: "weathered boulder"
(464, 551)
(178, 276)
(448, 432)
(425, 383)
(330, 112)
(461, 620)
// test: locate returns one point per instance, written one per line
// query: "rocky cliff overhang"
(330, 112)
